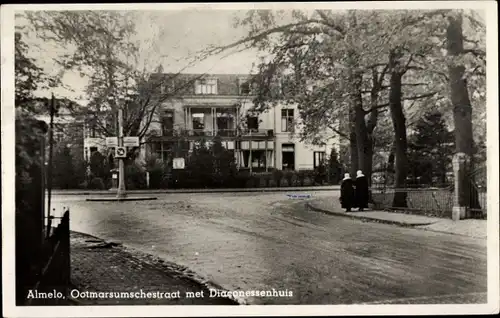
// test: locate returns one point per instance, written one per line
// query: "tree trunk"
(399, 125)
(354, 91)
(362, 143)
(353, 148)
(462, 108)
(370, 128)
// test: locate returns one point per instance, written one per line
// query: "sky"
(167, 38)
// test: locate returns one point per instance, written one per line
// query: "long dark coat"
(347, 194)
(361, 184)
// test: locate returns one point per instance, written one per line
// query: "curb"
(451, 233)
(243, 190)
(365, 218)
(113, 199)
(177, 269)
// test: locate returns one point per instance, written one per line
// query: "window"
(167, 87)
(288, 157)
(258, 159)
(244, 86)
(198, 123)
(206, 86)
(167, 123)
(225, 124)
(253, 122)
(319, 157)
(165, 151)
(287, 116)
(91, 129)
(169, 149)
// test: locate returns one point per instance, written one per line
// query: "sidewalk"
(472, 228)
(99, 266)
(225, 190)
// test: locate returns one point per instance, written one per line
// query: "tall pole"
(49, 170)
(121, 161)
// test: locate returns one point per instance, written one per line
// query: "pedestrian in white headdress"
(347, 194)
(361, 184)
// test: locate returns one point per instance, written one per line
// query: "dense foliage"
(430, 150)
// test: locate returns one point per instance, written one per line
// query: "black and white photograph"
(224, 158)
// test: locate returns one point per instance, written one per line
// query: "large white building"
(220, 105)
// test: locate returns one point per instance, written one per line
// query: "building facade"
(221, 105)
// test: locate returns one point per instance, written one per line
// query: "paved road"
(260, 241)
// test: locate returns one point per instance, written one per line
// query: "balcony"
(239, 134)
(211, 133)
(256, 133)
(226, 132)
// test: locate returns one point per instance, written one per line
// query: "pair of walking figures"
(354, 194)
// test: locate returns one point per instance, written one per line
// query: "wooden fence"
(55, 270)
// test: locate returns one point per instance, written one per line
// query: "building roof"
(227, 84)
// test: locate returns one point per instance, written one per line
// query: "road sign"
(178, 163)
(120, 152)
(127, 142)
(111, 142)
(131, 141)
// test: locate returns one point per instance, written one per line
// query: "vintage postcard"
(237, 159)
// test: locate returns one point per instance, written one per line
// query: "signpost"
(120, 152)
(131, 141)
(127, 142)
(111, 142)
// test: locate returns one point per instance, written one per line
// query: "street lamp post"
(53, 112)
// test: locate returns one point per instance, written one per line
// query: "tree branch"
(327, 21)
(475, 52)
(260, 36)
(338, 132)
(420, 96)
(404, 98)
(405, 69)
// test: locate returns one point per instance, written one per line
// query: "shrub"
(290, 177)
(277, 176)
(63, 172)
(320, 174)
(267, 179)
(257, 180)
(135, 176)
(200, 166)
(242, 179)
(157, 172)
(83, 185)
(97, 184)
(98, 166)
(334, 167)
(310, 176)
(301, 176)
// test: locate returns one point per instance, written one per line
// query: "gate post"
(460, 196)
(65, 244)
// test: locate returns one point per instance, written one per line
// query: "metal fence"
(424, 200)
(435, 201)
(478, 192)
